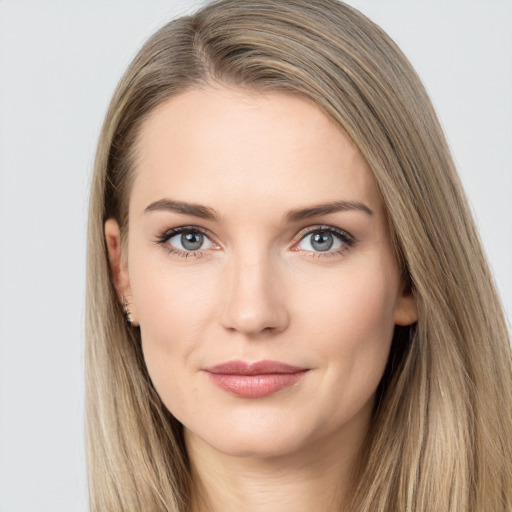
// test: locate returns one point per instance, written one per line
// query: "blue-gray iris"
(322, 241)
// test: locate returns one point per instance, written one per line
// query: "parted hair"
(441, 433)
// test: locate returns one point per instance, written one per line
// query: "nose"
(254, 300)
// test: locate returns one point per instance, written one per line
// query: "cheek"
(174, 309)
(355, 306)
(353, 324)
(169, 296)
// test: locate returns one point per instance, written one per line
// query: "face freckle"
(258, 244)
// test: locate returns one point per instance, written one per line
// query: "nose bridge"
(254, 299)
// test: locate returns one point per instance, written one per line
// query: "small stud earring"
(127, 313)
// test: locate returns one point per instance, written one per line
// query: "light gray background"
(59, 63)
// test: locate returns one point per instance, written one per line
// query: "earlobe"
(406, 312)
(119, 269)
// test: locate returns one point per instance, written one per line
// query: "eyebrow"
(326, 208)
(205, 212)
(196, 210)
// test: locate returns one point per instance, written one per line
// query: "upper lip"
(254, 368)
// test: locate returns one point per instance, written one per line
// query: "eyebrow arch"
(196, 210)
(326, 208)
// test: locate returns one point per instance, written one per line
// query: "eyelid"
(166, 235)
(344, 236)
(323, 227)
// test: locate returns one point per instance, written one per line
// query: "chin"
(258, 438)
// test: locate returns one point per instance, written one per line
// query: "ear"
(119, 268)
(406, 311)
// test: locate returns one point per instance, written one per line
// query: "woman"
(288, 305)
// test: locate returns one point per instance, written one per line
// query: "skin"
(259, 290)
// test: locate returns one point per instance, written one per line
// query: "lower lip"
(255, 386)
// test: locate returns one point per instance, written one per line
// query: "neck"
(304, 481)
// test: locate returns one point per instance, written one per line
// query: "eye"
(185, 241)
(325, 240)
(190, 241)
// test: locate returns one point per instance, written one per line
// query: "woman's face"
(260, 270)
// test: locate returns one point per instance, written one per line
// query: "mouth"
(254, 380)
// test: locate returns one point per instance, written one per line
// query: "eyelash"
(346, 239)
(164, 238)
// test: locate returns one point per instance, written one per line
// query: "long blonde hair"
(441, 435)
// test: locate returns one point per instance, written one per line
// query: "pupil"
(322, 241)
(192, 241)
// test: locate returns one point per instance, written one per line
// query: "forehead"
(222, 145)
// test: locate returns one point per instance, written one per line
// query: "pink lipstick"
(254, 380)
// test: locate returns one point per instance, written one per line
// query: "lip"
(254, 380)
